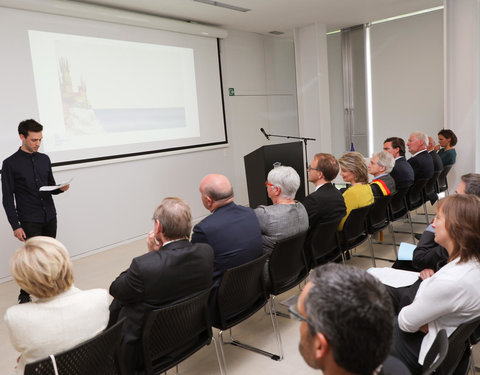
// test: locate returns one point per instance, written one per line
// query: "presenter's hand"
(65, 188)
(20, 234)
(424, 328)
(426, 273)
(152, 242)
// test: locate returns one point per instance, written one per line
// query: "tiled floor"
(98, 271)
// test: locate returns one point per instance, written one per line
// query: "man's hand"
(426, 273)
(65, 188)
(152, 242)
(424, 328)
(20, 234)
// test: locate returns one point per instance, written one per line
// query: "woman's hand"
(424, 328)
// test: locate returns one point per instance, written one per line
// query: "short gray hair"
(175, 217)
(347, 305)
(287, 179)
(472, 183)
(421, 135)
(385, 159)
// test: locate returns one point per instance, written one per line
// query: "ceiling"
(275, 15)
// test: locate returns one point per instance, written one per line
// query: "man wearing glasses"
(347, 322)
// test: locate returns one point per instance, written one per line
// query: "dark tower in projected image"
(79, 116)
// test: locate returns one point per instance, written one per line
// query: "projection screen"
(104, 90)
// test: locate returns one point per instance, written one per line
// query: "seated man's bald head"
(217, 189)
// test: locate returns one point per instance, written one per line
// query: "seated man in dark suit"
(326, 203)
(233, 231)
(171, 270)
(421, 161)
(380, 166)
(402, 172)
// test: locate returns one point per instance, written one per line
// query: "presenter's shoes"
(24, 297)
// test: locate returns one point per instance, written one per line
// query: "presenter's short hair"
(287, 179)
(175, 217)
(29, 125)
(42, 267)
(328, 165)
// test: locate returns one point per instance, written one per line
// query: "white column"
(311, 64)
(462, 83)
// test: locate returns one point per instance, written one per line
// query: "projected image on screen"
(95, 92)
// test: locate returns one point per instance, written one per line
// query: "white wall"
(112, 203)
(407, 77)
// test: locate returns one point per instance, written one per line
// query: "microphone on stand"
(264, 133)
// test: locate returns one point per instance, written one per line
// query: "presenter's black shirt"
(23, 174)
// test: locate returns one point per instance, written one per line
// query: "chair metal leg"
(277, 313)
(220, 344)
(411, 226)
(219, 358)
(390, 227)
(371, 250)
(276, 329)
(235, 342)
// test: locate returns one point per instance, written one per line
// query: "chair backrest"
(354, 227)
(414, 195)
(287, 266)
(241, 293)
(324, 239)
(442, 182)
(377, 217)
(436, 354)
(458, 346)
(96, 356)
(429, 188)
(173, 333)
(398, 205)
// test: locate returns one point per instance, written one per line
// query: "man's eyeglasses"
(294, 314)
(310, 168)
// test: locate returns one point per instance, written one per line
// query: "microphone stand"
(304, 139)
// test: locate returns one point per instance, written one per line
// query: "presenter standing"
(30, 212)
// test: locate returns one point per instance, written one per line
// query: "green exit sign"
(231, 91)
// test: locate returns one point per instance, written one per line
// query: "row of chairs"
(362, 223)
(173, 333)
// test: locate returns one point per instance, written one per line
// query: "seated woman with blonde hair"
(61, 315)
(451, 296)
(286, 217)
(354, 171)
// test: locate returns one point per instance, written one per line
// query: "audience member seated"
(326, 202)
(447, 141)
(233, 231)
(380, 166)
(437, 162)
(428, 256)
(171, 270)
(451, 296)
(421, 161)
(286, 217)
(61, 315)
(402, 172)
(355, 172)
(346, 321)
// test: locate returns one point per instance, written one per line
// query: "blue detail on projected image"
(135, 119)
